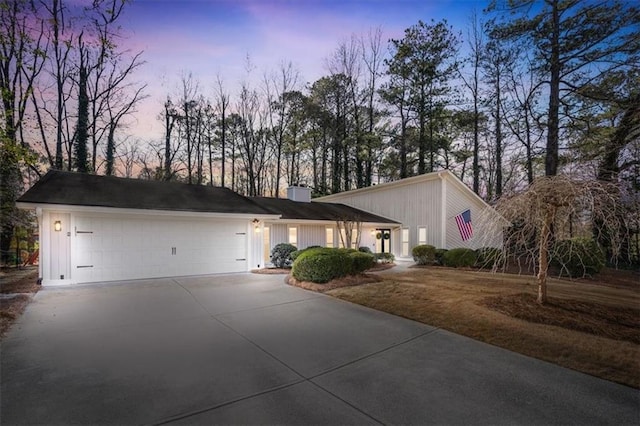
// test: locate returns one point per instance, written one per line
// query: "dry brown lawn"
(588, 325)
(16, 289)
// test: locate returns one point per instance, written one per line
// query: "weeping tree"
(547, 217)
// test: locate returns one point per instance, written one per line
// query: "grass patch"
(587, 326)
(16, 289)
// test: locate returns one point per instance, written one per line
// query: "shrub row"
(485, 257)
(575, 257)
(321, 265)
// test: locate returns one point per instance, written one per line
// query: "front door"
(383, 240)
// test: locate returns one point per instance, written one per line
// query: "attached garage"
(119, 247)
(95, 228)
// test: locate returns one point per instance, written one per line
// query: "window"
(293, 236)
(422, 235)
(329, 237)
(405, 242)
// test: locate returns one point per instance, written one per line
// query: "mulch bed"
(347, 281)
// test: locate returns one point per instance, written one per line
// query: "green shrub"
(295, 254)
(578, 257)
(281, 255)
(459, 257)
(360, 262)
(488, 257)
(346, 250)
(439, 255)
(424, 254)
(384, 257)
(321, 265)
(364, 249)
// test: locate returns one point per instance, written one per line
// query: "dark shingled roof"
(317, 211)
(78, 189)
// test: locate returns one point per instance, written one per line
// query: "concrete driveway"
(248, 349)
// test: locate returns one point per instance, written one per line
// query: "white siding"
(415, 204)
(279, 234)
(430, 201)
(457, 202)
(311, 235)
(308, 235)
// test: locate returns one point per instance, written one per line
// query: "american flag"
(463, 220)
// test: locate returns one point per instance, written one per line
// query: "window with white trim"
(293, 236)
(422, 235)
(328, 237)
(405, 242)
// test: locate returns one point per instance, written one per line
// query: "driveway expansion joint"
(182, 416)
(372, 354)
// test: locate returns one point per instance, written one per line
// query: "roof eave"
(27, 205)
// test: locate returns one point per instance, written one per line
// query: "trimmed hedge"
(488, 257)
(460, 257)
(424, 254)
(295, 254)
(578, 257)
(281, 255)
(360, 262)
(321, 265)
(364, 249)
(439, 256)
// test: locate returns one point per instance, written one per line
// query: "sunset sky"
(210, 37)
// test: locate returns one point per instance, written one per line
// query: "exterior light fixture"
(256, 226)
(57, 226)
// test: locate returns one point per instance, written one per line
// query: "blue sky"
(210, 37)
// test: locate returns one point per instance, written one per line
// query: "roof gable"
(443, 174)
(79, 189)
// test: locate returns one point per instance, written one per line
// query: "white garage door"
(118, 248)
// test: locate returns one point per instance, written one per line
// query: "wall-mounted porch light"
(57, 226)
(256, 226)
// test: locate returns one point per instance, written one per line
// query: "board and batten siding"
(458, 201)
(308, 235)
(414, 205)
(278, 233)
(428, 201)
(311, 235)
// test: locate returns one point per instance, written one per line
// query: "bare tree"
(472, 82)
(276, 88)
(222, 105)
(373, 59)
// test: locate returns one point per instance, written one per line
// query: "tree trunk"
(543, 258)
(83, 118)
(553, 131)
(498, 136)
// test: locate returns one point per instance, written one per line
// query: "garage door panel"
(119, 248)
